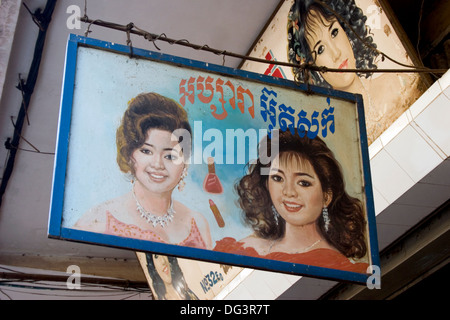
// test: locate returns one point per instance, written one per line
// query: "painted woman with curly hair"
(300, 211)
(316, 35)
(334, 34)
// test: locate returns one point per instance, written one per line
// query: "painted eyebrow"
(329, 29)
(165, 149)
(318, 42)
(299, 174)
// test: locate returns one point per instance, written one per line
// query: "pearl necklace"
(155, 220)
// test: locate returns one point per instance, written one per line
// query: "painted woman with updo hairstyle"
(150, 149)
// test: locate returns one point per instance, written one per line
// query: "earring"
(181, 184)
(275, 215)
(130, 177)
(326, 218)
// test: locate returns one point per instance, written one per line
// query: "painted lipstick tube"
(216, 213)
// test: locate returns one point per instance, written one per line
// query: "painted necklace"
(304, 250)
(154, 219)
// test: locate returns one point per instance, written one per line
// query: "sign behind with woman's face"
(342, 34)
(172, 278)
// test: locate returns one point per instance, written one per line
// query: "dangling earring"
(181, 184)
(326, 219)
(276, 215)
(131, 177)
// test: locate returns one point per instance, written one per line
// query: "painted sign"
(173, 278)
(341, 34)
(182, 158)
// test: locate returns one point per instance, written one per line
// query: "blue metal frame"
(55, 229)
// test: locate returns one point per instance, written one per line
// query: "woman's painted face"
(162, 266)
(296, 191)
(331, 47)
(157, 164)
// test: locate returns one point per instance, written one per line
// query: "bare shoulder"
(200, 220)
(187, 213)
(94, 219)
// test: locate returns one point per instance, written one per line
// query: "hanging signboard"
(173, 278)
(340, 34)
(161, 154)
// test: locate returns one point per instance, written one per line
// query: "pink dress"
(118, 228)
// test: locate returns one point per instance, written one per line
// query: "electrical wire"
(370, 46)
(107, 290)
(11, 270)
(56, 286)
(58, 289)
(55, 292)
(42, 19)
(8, 144)
(132, 28)
(419, 23)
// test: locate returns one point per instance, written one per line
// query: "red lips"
(344, 65)
(156, 176)
(291, 206)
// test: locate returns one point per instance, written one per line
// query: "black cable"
(183, 42)
(27, 89)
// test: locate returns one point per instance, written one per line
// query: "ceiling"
(231, 25)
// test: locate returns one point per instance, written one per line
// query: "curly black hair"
(297, 28)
